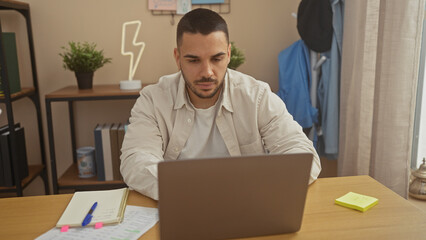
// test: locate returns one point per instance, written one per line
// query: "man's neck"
(203, 103)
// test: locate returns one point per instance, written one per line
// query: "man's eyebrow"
(190, 56)
(214, 56)
(218, 54)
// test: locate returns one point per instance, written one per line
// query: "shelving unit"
(70, 94)
(30, 92)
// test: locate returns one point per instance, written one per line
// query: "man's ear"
(177, 59)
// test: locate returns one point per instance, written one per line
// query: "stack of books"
(108, 142)
(7, 176)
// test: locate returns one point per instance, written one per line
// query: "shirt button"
(189, 121)
(176, 149)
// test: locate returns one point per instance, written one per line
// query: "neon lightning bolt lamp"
(131, 83)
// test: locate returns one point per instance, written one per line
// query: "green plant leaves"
(83, 57)
(237, 57)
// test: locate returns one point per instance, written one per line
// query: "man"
(205, 110)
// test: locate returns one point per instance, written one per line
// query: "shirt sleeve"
(280, 133)
(142, 148)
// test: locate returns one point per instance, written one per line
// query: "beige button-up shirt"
(251, 119)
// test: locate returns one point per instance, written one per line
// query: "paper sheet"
(162, 5)
(183, 6)
(137, 221)
(207, 1)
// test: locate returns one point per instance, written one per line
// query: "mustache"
(205, 80)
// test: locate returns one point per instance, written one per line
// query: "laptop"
(233, 197)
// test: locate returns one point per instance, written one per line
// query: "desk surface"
(393, 218)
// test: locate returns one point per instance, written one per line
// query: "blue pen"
(89, 215)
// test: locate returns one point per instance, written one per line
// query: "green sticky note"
(357, 201)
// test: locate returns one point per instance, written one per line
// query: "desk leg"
(72, 127)
(51, 146)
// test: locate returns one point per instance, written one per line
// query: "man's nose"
(207, 70)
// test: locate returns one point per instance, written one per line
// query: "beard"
(199, 92)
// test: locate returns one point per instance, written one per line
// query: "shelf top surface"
(33, 172)
(11, 4)
(105, 90)
(25, 91)
(70, 179)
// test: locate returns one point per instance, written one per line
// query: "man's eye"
(217, 59)
(193, 60)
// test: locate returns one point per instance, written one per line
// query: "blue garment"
(329, 86)
(294, 83)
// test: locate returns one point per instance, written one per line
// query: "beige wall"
(261, 28)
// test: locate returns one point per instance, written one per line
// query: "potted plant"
(83, 59)
(237, 57)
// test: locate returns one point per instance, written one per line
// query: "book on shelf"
(115, 152)
(5, 168)
(1, 173)
(7, 159)
(99, 155)
(12, 64)
(106, 148)
(108, 143)
(110, 208)
(120, 142)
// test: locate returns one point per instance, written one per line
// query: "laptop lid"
(232, 197)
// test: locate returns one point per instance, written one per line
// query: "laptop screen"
(232, 197)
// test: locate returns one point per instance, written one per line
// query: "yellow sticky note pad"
(357, 201)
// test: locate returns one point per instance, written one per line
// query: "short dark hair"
(202, 21)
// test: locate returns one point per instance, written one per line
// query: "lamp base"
(130, 84)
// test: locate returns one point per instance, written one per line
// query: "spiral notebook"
(109, 210)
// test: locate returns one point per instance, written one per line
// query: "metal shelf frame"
(31, 93)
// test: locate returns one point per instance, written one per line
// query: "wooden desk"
(393, 218)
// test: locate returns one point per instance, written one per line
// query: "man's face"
(203, 60)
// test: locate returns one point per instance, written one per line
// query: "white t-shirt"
(205, 140)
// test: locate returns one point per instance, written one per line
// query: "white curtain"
(380, 61)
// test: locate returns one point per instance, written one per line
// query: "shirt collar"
(226, 99)
(181, 98)
(181, 94)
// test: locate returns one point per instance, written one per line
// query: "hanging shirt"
(329, 86)
(295, 82)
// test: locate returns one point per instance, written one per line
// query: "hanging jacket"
(294, 83)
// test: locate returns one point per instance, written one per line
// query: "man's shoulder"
(242, 82)
(165, 84)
